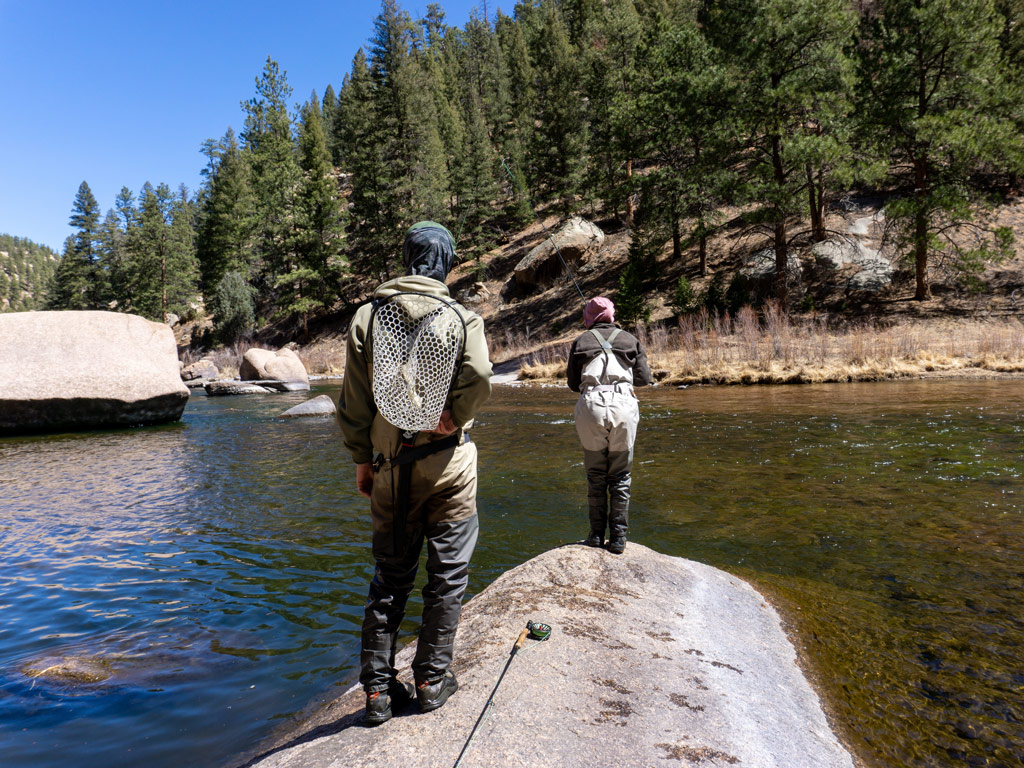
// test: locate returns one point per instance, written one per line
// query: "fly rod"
(534, 630)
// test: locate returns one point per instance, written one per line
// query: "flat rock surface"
(653, 660)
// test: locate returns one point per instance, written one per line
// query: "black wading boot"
(595, 539)
(379, 704)
(432, 695)
(616, 545)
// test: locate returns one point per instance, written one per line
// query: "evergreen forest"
(26, 270)
(661, 114)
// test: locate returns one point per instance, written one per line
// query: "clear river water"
(214, 570)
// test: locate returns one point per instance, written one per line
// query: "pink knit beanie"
(598, 310)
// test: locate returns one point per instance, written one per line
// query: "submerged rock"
(64, 371)
(651, 659)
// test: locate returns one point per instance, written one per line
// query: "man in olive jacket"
(440, 506)
(605, 363)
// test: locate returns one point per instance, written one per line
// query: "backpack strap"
(606, 344)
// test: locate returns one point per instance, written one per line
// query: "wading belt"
(407, 455)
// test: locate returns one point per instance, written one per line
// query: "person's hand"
(445, 426)
(364, 478)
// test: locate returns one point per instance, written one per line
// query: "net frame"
(416, 342)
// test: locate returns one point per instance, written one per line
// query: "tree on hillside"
(227, 213)
(939, 109)
(313, 273)
(560, 139)
(75, 281)
(516, 137)
(373, 202)
(789, 58)
(268, 141)
(679, 109)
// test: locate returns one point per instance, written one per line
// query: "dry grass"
(774, 349)
(324, 357)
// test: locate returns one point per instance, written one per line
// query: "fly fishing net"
(417, 341)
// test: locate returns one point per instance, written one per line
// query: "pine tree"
(939, 109)
(148, 245)
(373, 201)
(75, 281)
(312, 277)
(268, 142)
(560, 140)
(513, 142)
(676, 112)
(788, 55)
(227, 214)
(613, 36)
(181, 286)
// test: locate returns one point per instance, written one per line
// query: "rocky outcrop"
(653, 660)
(322, 405)
(62, 371)
(576, 241)
(265, 365)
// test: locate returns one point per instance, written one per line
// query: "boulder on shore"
(651, 659)
(576, 241)
(63, 371)
(265, 365)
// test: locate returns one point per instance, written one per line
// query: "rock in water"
(653, 660)
(322, 405)
(62, 371)
(265, 365)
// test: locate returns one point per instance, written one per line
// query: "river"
(214, 570)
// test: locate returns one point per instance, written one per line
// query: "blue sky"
(122, 92)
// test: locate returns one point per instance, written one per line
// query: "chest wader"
(416, 343)
(606, 420)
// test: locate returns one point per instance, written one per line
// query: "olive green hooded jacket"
(365, 431)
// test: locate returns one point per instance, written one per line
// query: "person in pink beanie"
(605, 363)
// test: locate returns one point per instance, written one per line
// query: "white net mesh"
(417, 341)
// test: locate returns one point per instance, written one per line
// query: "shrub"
(684, 300)
(232, 309)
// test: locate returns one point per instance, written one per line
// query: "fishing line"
(534, 630)
(526, 197)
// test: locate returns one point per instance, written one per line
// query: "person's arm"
(473, 384)
(641, 370)
(574, 368)
(356, 408)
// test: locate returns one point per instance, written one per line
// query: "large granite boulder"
(265, 365)
(62, 371)
(201, 370)
(576, 241)
(653, 660)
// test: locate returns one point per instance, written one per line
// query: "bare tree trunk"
(629, 197)
(923, 291)
(816, 197)
(781, 249)
(702, 253)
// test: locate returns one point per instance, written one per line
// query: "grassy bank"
(776, 349)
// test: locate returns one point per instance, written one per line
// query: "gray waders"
(396, 551)
(607, 415)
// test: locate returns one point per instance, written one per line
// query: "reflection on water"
(217, 567)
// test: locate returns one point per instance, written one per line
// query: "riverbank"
(782, 350)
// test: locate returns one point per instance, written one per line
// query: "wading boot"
(616, 544)
(595, 539)
(431, 695)
(380, 704)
